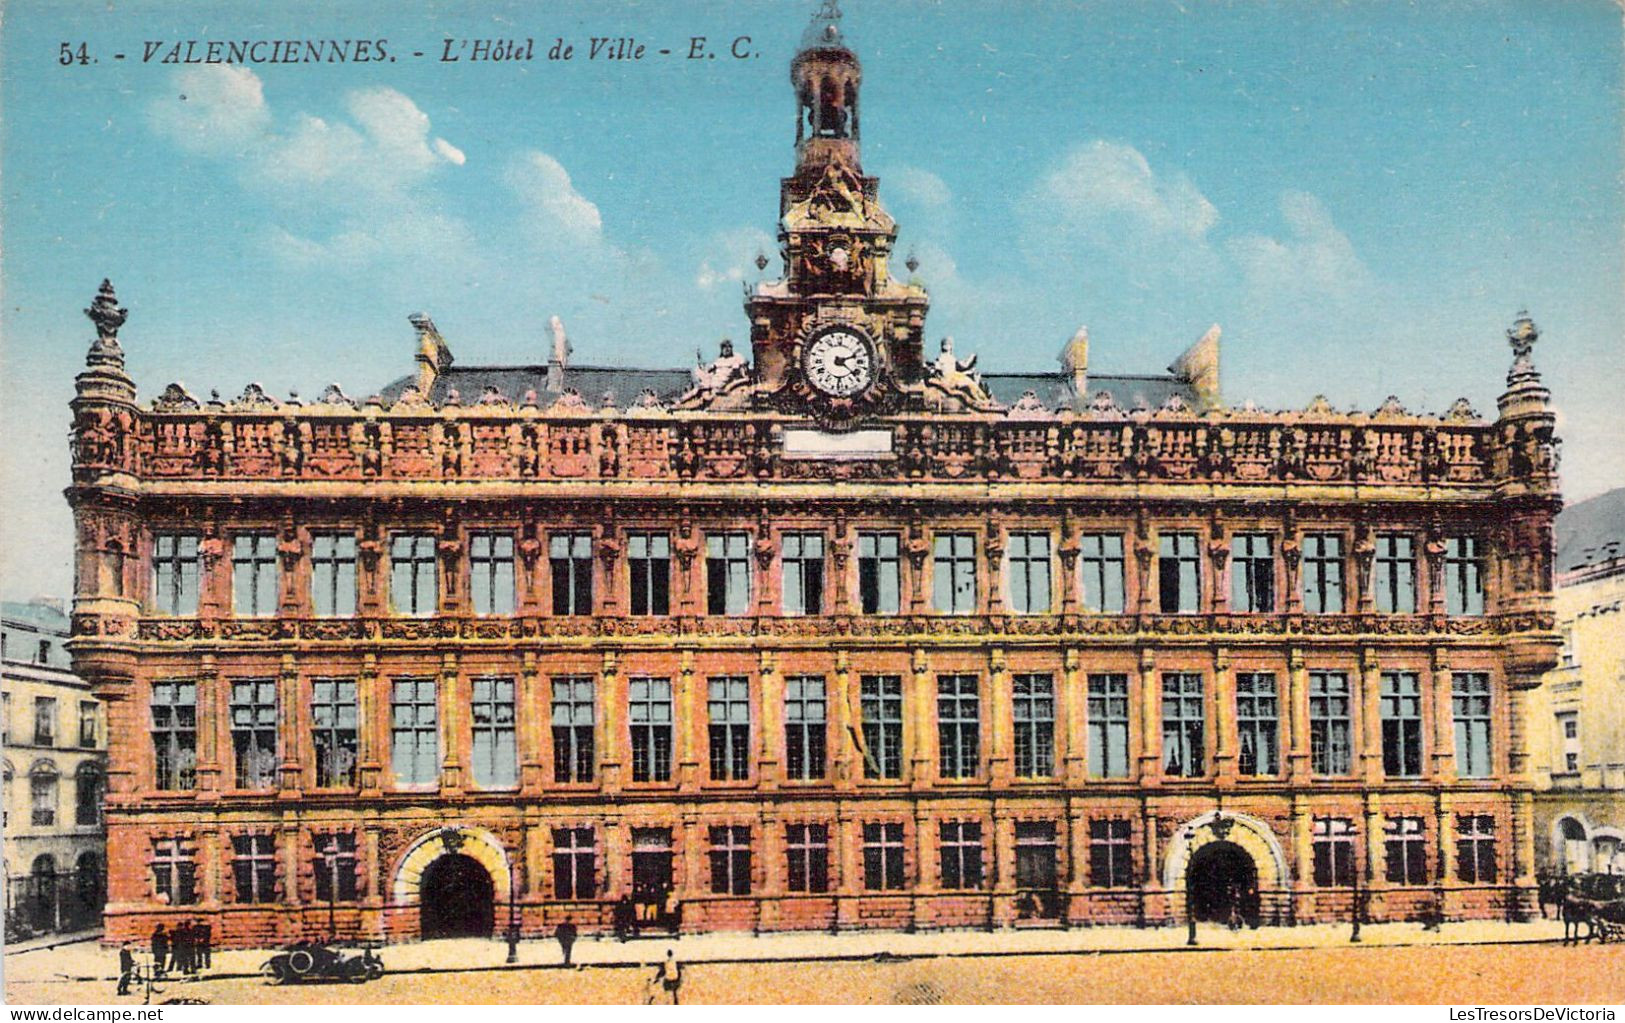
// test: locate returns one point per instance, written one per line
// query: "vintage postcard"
(813, 501)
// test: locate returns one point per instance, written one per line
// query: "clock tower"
(838, 337)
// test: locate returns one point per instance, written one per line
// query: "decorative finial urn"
(1522, 335)
(107, 314)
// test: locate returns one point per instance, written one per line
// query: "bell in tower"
(826, 75)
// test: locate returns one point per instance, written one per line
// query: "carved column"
(293, 720)
(995, 570)
(919, 714)
(1071, 708)
(1150, 719)
(213, 717)
(1068, 549)
(840, 558)
(770, 699)
(918, 548)
(1443, 711)
(687, 746)
(610, 715)
(610, 546)
(1292, 559)
(1000, 751)
(452, 702)
(1297, 717)
(1218, 554)
(1224, 717)
(533, 714)
(1370, 721)
(842, 722)
(1145, 550)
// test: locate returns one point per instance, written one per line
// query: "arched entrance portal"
(1222, 884)
(457, 899)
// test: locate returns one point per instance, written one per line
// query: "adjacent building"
(1577, 716)
(55, 758)
(831, 634)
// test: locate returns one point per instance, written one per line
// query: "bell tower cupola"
(826, 76)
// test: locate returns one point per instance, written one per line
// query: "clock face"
(839, 362)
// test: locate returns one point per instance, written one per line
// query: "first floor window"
(332, 575)
(879, 578)
(1108, 726)
(1475, 848)
(802, 578)
(490, 573)
(42, 792)
(253, 732)
(253, 575)
(648, 560)
(336, 867)
(730, 860)
(953, 575)
(1394, 574)
(87, 724)
(1035, 855)
(1323, 573)
(649, 717)
(1405, 850)
(958, 725)
(1100, 559)
(413, 587)
(1401, 706)
(414, 732)
(728, 711)
(1111, 853)
(1330, 727)
(575, 863)
(333, 731)
(1333, 840)
(175, 572)
(570, 559)
(1178, 574)
(1183, 720)
(1463, 576)
(1252, 573)
(727, 574)
(1033, 716)
(882, 710)
(87, 810)
(253, 866)
(1028, 573)
(572, 728)
(804, 727)
(882, 857)
(807, 857)
(1258, 724)
(495, 753)
(174, 871)
(1471, 703)
(960, 843)
(174, 735)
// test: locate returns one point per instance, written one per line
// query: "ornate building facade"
(838, 635)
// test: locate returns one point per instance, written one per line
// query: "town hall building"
(842, 630)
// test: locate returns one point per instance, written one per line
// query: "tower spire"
(826, 75)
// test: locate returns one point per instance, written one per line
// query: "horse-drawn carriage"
(1594, 901)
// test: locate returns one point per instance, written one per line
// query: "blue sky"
(1362, 195)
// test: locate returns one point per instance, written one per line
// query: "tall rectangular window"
(1401, 706)
(1463, 576)
(575, 864)
(1331, 747)
(953, 573)
(42, 793)
(882, 857)
(1258, 724)
(1323, 573)
(87, 796)
(174, 735)
(175, 571)
(1405, 850)
(1475, 848)
(730, 860)
(1100, 556)
(1111, 853)
(881, 705)
(496, 758)
(1108, 726)
(1568, 730)
(960, 846)
(1027, 573)
(806, 848)
(879, 574)
(490, 573)
(1470, 691)
(1332, 841)
(728, 714)
(1033, 717)
(803, 573)
(414, 734)
(648, 560)
(570, 558)
(253, 867)
(88, 715)
(253, 575)
(332, 575)
(649, 717)
(727, 574)
(651, 862)
(333, 731)
(573, 722)
(174, 871)
(253, 732)
(1035, 856)
(1394, 580)
(45, 721)
(413, 586)
(805, 714)
(1252, 573)
(1183, 726)
(335, 867)
(1179, 585)
(959, 726)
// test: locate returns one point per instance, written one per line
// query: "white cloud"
(1314, 257)
(214, 109)
(729, 256)
(450, 152)
(919, 185)
(1101, 188)
(553, 208)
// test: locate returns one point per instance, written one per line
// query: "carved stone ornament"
(451, 840)
(334, 395)
(254, 399)
(1104, 404)
(648, 403)
(493, 395)
(411, 399)
(1319, 406)
(107, 315)
(1391, 408)
(1028, 406)
(1461, 411)
(175, 398)
(570, 403)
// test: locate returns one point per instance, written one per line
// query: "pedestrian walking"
(566, 933)
(180, 948)
(668, 978)
(160, 950)
(126, 967)
(206, 944)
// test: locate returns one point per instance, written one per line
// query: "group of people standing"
(185, 949)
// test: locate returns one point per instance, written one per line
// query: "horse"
(1551, 888)
(1574, 911)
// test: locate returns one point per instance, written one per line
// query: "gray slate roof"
(36, 615)
(1588, 525)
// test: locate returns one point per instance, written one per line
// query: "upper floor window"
(174, 735)
(1394, 581)
(728, 710)
(1463, 576)
(253, 575)
(490, 573)
(175, 570)
(1323, 573)
(879, 575)
(1568, 730)
(1183, 725)
(496, 760)
(1252, 573)
(414, 734)
(953, 575)
(332, 574)
(89, 714)
(649, 717)
(1401, 706)
(1033, 716)
(1108, 726)
(42, 794)
(803, 573)
(572, 728)
(1178, 574)
(1330, 726)
(88, 796)
(648, 560)
(413, 586)
(1100, 557)
(1028, 573)
(44, 721)
(253, 732)
(881, 705)
(727, 574)
(958, 725)
(1333, 841)
(570, 556)
(1258, 724)
(333, 731)
(1471, 703)
(805, 712)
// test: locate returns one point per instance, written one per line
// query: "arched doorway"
(1575, 848)
(1221, 883)
(43, 910)
(87, 877)
(456, 899)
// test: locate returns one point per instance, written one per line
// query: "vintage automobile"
(308, 962)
